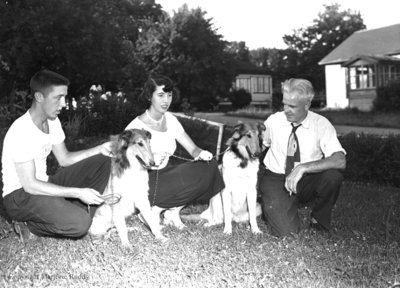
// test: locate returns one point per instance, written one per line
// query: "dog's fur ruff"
(129, 178)
(240, 164)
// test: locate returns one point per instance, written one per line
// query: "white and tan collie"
(129, 179)
(240, 165)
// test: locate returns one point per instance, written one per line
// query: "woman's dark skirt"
(182, 184)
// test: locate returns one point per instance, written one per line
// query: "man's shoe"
(22, 231)
(316, 226)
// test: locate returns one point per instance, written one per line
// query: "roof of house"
(383, 41)
(370, 60)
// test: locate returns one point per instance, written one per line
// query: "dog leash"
(181, 158)
(155, 188)
(109, 199)
(193, 160)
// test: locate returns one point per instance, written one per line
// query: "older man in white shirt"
(302, 164)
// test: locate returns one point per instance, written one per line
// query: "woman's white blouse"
(163, 144)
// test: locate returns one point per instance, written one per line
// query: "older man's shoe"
(317, 226)
(23, 232)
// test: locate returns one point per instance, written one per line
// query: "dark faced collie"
(129, 179)
(240, 164)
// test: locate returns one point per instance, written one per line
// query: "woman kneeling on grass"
(173, 186)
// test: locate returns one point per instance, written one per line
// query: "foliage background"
(116, 44)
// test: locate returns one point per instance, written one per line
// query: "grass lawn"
(337, 117)
(362, 251)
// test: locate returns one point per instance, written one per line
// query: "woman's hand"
(204, 155)
(159, 158)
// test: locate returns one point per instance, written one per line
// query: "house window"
(243, 83)
(388, 73)
(261, 85)
(362, 77)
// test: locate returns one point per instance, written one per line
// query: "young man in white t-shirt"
(56, 205)
(314, 176)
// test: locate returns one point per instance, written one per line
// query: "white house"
(366, 60)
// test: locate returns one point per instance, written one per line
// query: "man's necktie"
(293, 150)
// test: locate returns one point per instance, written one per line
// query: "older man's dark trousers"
(281, 210)
(58, 216)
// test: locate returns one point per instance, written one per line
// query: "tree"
(239, 50)
(188, 49)
(88, 41)
(281, 63)
(313, 43)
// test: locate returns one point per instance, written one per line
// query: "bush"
(388, 98)
(110, 117)
(98, 116)
(239, 98)
(372, 158)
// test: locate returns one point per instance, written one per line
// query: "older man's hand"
(293, 178)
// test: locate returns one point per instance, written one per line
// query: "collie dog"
(132, 156)
(240, 165)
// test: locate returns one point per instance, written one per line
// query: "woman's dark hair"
(151, 84)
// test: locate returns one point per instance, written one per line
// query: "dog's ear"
(119, 149)
(114, 137)
(239, 126)
(148, 134)
(114, 143)
(125, 137)
(261, 127)
(238, 130)
(236, 134)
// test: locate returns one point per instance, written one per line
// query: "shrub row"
(370, 158)
(100, 118)
(388, 97)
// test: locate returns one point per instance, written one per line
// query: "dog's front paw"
(96, 238)
(125, 243)
(256, 231)
(180, 226)
(162, 238)
(208, 224)
(211, 223)
(228, 230)
(174, 222)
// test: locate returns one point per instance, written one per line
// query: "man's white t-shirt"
(25, 142)
(163, 144)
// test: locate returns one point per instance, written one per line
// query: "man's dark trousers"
(58, 216)
(281, 210)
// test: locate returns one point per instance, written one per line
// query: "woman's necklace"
(154, 120)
